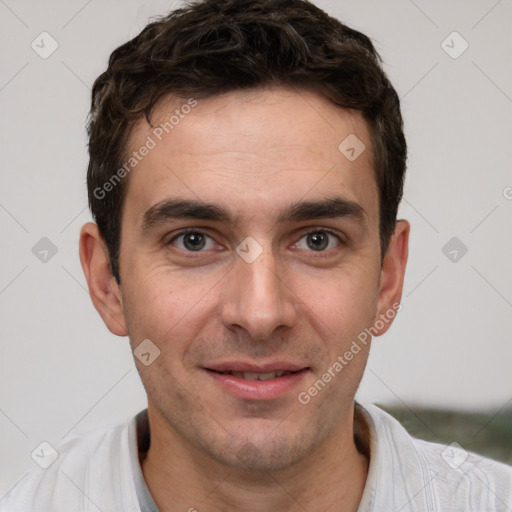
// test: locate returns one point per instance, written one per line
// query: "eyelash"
(186, 231)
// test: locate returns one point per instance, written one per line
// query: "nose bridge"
(258, 300)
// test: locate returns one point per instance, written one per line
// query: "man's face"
(259, 162)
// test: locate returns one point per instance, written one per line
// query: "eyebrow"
(172, 209)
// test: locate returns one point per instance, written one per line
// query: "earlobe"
(103, 289)
(392, 276)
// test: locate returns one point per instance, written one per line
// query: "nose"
(258, 298)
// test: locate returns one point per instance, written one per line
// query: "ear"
(392, 276)
(103, 288)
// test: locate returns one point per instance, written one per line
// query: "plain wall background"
(62, 371)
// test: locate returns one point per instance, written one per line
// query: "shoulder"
(83, 474)
(437, 476)
(459, 476)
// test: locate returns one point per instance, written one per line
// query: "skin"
(254, 153)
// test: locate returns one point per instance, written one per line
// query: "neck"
(181, 477)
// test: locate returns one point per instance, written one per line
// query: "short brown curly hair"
(210, 47)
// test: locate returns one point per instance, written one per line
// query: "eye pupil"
(318, 241)
(193, 241)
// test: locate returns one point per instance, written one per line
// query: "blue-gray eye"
(318, 241)
(193, 241)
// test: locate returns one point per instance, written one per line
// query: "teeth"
(262, 376)
(251, 376)
(257, 376)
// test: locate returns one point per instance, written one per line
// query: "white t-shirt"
(101, 472)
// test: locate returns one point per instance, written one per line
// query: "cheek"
(343, 301)
(155, 303)
(169, 308)
(347, 309)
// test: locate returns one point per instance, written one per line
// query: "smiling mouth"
(256, 376)
(245, 382)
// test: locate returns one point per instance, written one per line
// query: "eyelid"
(303, 232)
(319, 229)
(185, 231)
(339, 237)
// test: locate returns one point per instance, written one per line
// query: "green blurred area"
(488, 434)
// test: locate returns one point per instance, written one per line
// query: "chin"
(265, 451)
(270, 457)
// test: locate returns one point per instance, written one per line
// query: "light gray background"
(62, 371)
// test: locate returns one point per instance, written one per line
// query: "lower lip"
(258, 389)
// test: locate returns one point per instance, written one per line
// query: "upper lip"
(241, 366)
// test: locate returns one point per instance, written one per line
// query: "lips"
(251, 371)
(257, 375)
(248, 381)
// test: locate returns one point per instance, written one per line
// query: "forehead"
(252, 151)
